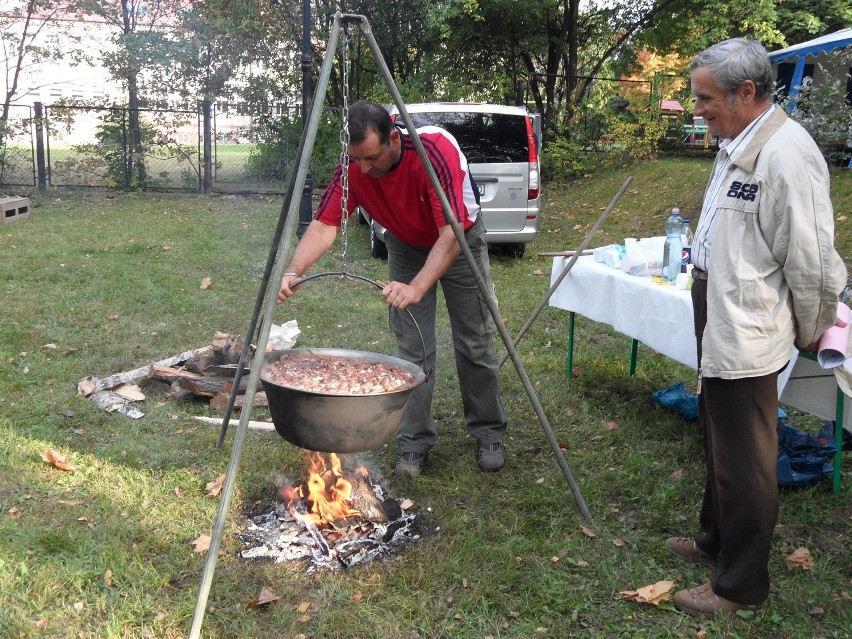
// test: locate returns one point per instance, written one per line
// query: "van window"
(483, 137)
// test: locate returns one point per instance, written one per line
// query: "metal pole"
(306, 208)
(480, 281)
(570, 265)
(309, 136)
(39, 131)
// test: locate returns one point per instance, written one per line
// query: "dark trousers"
(740, 507)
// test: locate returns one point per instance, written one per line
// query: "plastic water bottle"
(686, 241)
(673, 248)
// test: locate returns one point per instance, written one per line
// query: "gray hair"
(734, 61)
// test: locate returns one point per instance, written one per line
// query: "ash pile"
(336, 520)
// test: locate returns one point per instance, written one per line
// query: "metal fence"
(87, 146)
(17, 153)
(92, 146)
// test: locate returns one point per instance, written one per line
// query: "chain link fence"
(101, 147)
(17, 153)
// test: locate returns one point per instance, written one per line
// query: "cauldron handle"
(379, 285)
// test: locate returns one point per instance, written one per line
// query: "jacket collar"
(748, 158)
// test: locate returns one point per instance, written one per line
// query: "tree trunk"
(136, 154)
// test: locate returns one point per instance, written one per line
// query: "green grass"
(114, 283)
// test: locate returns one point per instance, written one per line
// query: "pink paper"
(834, 342)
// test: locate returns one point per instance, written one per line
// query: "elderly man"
(766, 277)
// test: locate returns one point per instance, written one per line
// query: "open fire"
(337, 518)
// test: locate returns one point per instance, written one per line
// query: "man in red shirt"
(387, 178)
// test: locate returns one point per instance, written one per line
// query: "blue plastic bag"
(685, 404)
(676, 398)
(804, 458)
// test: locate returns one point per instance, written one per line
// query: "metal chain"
(344, 154)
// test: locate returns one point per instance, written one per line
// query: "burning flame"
(327, 492)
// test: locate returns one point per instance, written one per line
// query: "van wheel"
(377, 247)
(514, 250)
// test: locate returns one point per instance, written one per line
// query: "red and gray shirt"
(403, 200)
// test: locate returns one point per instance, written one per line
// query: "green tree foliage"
(140, 57)
(801, 20)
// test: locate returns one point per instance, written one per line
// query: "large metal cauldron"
(338, 423)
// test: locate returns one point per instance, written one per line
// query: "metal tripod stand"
(275, 273)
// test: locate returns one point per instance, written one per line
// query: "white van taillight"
(532, 145)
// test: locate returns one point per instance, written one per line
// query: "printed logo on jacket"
(743, 191)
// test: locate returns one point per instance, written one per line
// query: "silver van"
(501, 144)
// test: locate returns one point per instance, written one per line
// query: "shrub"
(825, 114)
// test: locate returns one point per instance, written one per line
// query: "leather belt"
(698, 274)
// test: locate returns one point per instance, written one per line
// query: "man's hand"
(400, 295)
(289, 285)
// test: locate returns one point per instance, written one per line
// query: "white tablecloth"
(660, 316)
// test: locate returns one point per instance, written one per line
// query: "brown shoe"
(703, 601)
(686, 547)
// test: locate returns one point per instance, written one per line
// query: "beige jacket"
(774, 274)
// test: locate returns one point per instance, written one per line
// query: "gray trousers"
(472, 329)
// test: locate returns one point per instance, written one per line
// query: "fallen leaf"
(464, 582)
(458, 616)
(582, 563)
(609, 425)
(356, 597)
(70, 502)
(406, 504)
(554, 559)
(206, 283)
(800, 558)
(303, 618)
(179, 492)
(41, 624)
(653, 594)
(266, 596)
(49, 347)
(304, 606)
(79, 606)
(56, 459)
(677, 474)
(108, 578)
(201, 544)
(701, 634)
(588, 532)
(112, 316)
(620, 542)
(167, 247)
(213, 488)
(538, 271)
